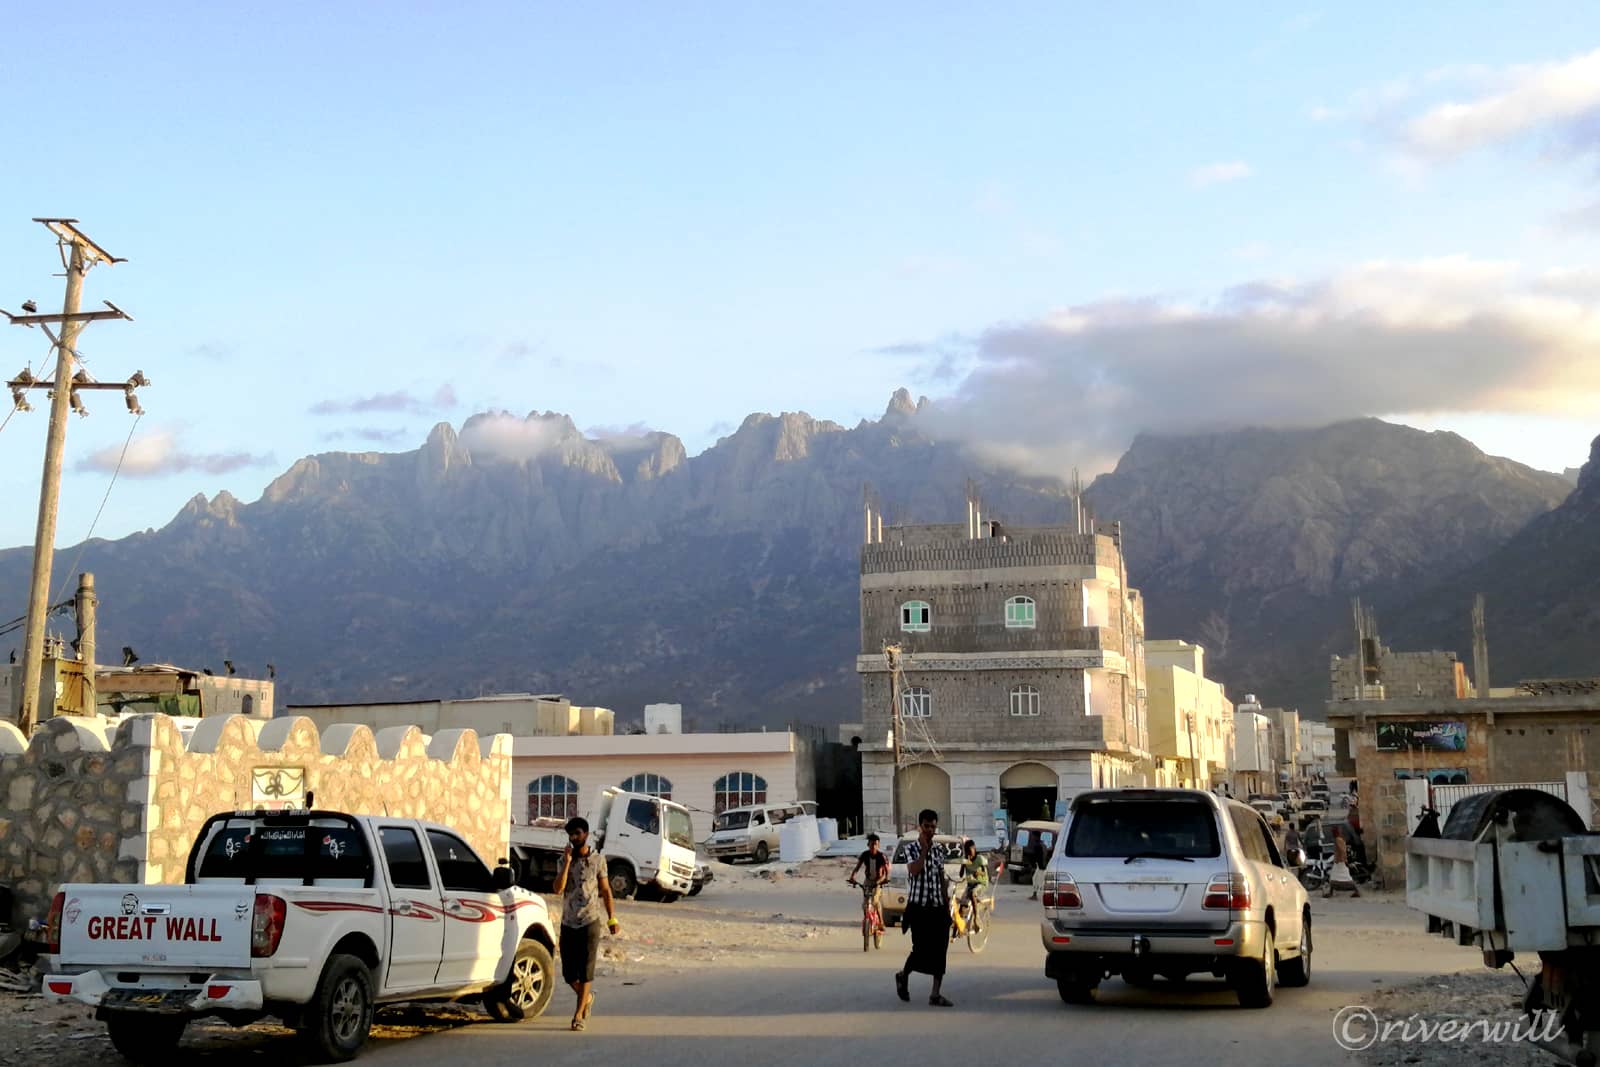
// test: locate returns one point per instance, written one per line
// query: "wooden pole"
(44, 538)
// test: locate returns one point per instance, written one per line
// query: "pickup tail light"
(1060, 891)
(1227, 892)
(52, 925)
(266, 928)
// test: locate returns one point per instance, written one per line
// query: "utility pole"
(891, 655)
(78, 255)
(86, 602)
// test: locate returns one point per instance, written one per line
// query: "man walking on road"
(927, 916)
(585, 890)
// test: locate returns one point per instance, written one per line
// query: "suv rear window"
(1112, 829)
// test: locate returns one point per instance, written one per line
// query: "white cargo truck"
(647, 842)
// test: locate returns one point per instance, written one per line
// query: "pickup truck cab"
(315, 917)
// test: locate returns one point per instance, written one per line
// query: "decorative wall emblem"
(278, 788)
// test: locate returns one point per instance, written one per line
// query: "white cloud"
(1521, 100)
(157, 454)
(1445, 335)
(1216, 173)
(500, 435)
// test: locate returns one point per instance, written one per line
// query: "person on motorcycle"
(877, 873)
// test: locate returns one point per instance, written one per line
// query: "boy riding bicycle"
(877, 873)
(974, 876)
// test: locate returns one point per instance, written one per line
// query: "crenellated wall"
(92, 801)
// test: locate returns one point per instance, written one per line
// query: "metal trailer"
(1516, 871)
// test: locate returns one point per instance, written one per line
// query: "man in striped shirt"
(927, 916)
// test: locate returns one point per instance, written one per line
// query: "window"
(320, 849)
(680, 831)
(403, 853)
(642, 815)
(552, 797)
(651, 785)
(460, 869)
(1252, 831)
(916, 617)
(1020, 613)
(247, 706)
(1117, 829)
(738, 789)
(1025, 701)
(916, 703)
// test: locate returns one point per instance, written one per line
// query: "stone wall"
(91, 801)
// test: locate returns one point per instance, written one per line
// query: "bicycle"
(971, 921)
(871, 916)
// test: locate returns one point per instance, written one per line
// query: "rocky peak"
(1589, 474)
(901, 404)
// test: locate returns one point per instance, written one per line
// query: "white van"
(750, 832)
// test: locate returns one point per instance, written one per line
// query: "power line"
(83, 545)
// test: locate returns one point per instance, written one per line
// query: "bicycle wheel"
(978, 930)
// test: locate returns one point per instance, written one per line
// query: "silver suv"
(1172, 882)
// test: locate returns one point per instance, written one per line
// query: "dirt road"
(774, 969)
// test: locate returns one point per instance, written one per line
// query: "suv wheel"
(1254, 981)
(1297, 972)
(1077, 988)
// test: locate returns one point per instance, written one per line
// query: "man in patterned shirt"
(927, 916)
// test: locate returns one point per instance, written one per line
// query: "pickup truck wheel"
(527, 990)
(144, 1038)
(694, 890)
(336, 1022)
(762, 852)
(1256, 980)
(623, 882)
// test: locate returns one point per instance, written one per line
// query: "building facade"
(1315, 760)
(1538, 734)
(1015, 669)
(517, 714)
(1191, 718)
(559, 777)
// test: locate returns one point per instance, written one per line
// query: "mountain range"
(522, 555)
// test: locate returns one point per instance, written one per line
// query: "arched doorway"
(1028, 791)
(922, 785)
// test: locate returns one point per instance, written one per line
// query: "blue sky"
(345, 223)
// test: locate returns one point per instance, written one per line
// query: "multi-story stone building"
(1021, 676)
(1191, 718)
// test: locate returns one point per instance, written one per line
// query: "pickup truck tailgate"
(191, 927)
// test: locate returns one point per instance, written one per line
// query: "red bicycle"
(871, 916)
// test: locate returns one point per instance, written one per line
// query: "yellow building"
(1191, 718)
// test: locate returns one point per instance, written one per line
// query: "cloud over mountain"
(1447, 335)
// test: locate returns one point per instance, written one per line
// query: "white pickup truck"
(647, 842)
(314, 917)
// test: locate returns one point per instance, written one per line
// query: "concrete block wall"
(90, 801)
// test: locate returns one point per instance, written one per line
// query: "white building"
(1253, 765)
(560, 777)
(1316, 750)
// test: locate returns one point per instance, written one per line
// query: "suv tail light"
(1060, 891)
(1227, 891)
(52, 925)
(266, 928)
